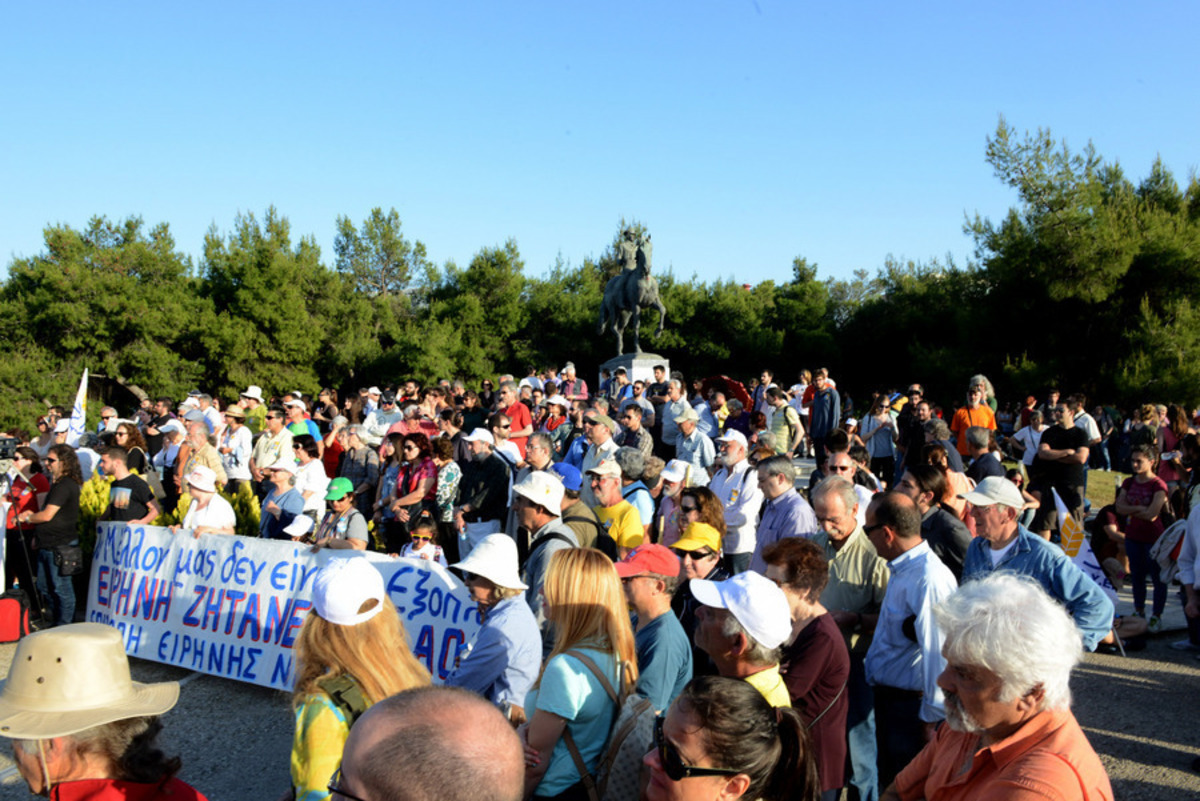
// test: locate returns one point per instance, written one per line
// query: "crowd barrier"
(232, 606)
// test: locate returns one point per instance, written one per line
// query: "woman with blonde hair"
(352, 651)
(570, 708)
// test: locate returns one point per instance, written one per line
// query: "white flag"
(1077, 546)
(78, 413)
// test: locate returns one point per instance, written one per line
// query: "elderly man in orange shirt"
(1010, 733)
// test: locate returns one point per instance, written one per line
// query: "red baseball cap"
(648, 558)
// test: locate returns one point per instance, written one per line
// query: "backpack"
(604, 543)
(792, 418)
(14, 616)
(618, 774)
(346, 695)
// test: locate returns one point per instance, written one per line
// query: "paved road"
(1139, 711)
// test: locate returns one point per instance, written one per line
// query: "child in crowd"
(424, 541)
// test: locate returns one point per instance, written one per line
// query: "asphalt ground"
(1140, 712)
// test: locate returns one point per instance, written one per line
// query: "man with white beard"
(736, 486)
(1010, 731)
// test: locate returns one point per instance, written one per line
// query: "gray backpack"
(618, 774)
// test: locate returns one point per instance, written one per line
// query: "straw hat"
(71, 678)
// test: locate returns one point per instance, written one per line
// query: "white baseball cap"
(542, 488)
(732, 435)
(675, 471)
(607, 467)
(754, 600)
(300, 525)
(480, 434)
(343, 585)
(285, 463)
(995, 490)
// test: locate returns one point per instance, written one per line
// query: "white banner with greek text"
(232, 606)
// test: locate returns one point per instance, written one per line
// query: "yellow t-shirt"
(621, 522)
(770, 684)
(321, 732)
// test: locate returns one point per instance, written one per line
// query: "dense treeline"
(1091, 282)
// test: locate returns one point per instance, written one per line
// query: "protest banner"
(1076, 545)
(232, 606)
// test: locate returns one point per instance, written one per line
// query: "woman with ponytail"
(722, 740)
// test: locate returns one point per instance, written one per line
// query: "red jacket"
(113, 790)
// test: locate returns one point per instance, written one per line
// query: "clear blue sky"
(741, 133)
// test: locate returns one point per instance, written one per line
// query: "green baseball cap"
(339, 488)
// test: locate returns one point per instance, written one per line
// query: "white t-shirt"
(1030, 439)
(797, 399)
(237, 461)
(427, 551)
(1088, 424)
(311, 477)
(218, 514)
(997, 555)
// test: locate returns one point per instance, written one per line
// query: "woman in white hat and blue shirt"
(507, 653)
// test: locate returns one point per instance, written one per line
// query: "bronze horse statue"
(631, 290)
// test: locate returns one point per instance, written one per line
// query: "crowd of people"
(651, 538)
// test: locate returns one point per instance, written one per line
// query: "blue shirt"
(575, 453)
(789, 515)
(919, 580)
(707, 424)
(1033, 556)
(504, 660)
(698, 451)
(637, 494)
(664, 658)
(570, 690)
(290, 503)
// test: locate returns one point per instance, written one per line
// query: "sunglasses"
(695, 556)
(335, 784)
(672, 762)
(421, 538)
(686, 509)
(48, 460)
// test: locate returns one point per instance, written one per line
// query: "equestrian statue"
(631, 290)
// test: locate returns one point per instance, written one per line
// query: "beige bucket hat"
(71, 678)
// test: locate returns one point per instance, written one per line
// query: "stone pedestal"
(638, 366)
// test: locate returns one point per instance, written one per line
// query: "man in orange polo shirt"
(975, 413)
(1009, 731)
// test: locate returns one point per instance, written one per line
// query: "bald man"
(433, 744)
